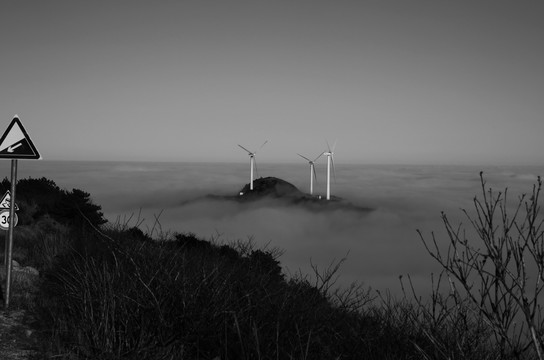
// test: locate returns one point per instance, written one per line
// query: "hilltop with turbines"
(267, 191)
(288, 194)
(330, 166)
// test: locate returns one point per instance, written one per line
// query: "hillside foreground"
(110, 291)
(18, 337)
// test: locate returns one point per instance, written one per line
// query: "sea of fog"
(380, 245)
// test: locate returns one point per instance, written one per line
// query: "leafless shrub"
(496, 269)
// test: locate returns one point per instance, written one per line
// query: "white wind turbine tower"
(252, 163)
(312, 171)
(330, 162)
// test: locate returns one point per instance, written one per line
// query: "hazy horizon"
(297, 160)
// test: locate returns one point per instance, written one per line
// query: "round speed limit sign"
(4, 219)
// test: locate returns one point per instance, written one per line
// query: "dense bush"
(168, 299)
(38, 198)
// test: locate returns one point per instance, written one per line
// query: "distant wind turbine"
(252, 163)
(330, 162)
(312, 171)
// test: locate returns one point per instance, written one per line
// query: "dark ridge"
(270, 187)
(287, 194)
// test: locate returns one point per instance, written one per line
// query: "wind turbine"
(330, 161)
(252, 163)
(312, 171)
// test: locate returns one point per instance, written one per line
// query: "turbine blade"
(249, 152)
(328, 146)
(318, 157)
(334, 145)
(304, 157)
(261, 147)
(315, 175)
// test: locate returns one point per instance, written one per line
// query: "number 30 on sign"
(4, 219)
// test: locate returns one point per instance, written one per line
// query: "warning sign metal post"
(5, 205)
(14, 144)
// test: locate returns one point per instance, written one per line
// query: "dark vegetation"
(41, 199)
(110, 291)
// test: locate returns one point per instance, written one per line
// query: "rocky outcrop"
(270, 187)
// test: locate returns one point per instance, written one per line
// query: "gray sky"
(393, 81)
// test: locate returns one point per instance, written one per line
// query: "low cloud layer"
(380, 245)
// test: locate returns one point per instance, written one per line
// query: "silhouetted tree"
(72, 208)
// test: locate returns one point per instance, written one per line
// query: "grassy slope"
(119, 294)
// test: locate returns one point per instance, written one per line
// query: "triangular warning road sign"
(16, 144)
(5, 203)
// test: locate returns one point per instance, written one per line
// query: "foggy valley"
(380, 245)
